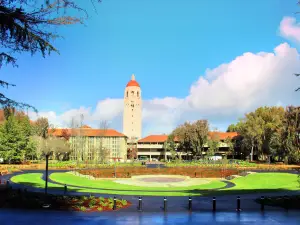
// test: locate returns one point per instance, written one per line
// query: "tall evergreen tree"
(12, 141)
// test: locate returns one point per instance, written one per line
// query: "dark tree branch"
(297, 74)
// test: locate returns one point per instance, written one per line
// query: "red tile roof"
(132, 83)
(222, 135)
(163, 138)
(87, 132)
(155, 138)
(86, 126)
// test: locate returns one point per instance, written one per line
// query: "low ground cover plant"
(27, 200)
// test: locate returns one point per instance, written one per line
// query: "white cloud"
(221, 95)
(290, 29)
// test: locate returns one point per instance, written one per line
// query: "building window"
(127, 94)
(138, 94)
(132, 93)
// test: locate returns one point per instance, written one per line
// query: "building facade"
(97, 145)
(153, 146)
(132, 116)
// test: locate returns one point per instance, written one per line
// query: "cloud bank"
(290, 29)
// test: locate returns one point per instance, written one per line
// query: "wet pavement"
(9, 217)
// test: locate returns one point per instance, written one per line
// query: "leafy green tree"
(183, 134)
(251, 131)
(170, 146)
(199, 135)
(230, 143)
(232, 128)
(31, 149)
(12, 141)
(213, 147)
(285, 142)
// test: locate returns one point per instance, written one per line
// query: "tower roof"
(132, 82)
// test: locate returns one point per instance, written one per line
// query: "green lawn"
(259, 182)
(70, 179)
(267, 181)
(33, 179)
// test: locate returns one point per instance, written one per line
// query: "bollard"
(190, 204)
(140, 204)
(165, 204)
(238, 208)
(214, 204)
(65, 189)
(115, 204)
(262, 203)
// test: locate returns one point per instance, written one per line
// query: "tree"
(182, 132)
(199, 134)
(26, 26)
(213, 144)
(230, 145)
(31, 149)
(170, 146)
(41, 127)
(66, 134)
(12, 141)
(132, 152)
(232, 128)
(103, 151)
(270, 119)
(250, 130)
(286, 142)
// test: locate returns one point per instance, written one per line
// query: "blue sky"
(167, 44)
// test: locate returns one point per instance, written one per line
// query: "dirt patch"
(162, 179)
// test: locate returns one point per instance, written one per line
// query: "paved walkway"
(15, 217)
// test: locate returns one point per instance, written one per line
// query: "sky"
(208, 59)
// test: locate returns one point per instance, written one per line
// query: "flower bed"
(26, 200)
(193, 172)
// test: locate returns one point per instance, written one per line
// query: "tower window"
(132, 93)
(127, 94)
(138, 94)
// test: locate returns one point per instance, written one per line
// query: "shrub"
(82, 208)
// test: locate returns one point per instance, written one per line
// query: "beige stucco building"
(88, 144)
(132, 116)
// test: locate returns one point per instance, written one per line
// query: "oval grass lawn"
(35, 180)
(71, 179)
(257, 182)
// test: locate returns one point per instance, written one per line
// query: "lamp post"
(46, 178)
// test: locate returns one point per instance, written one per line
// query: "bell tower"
(132, 116)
